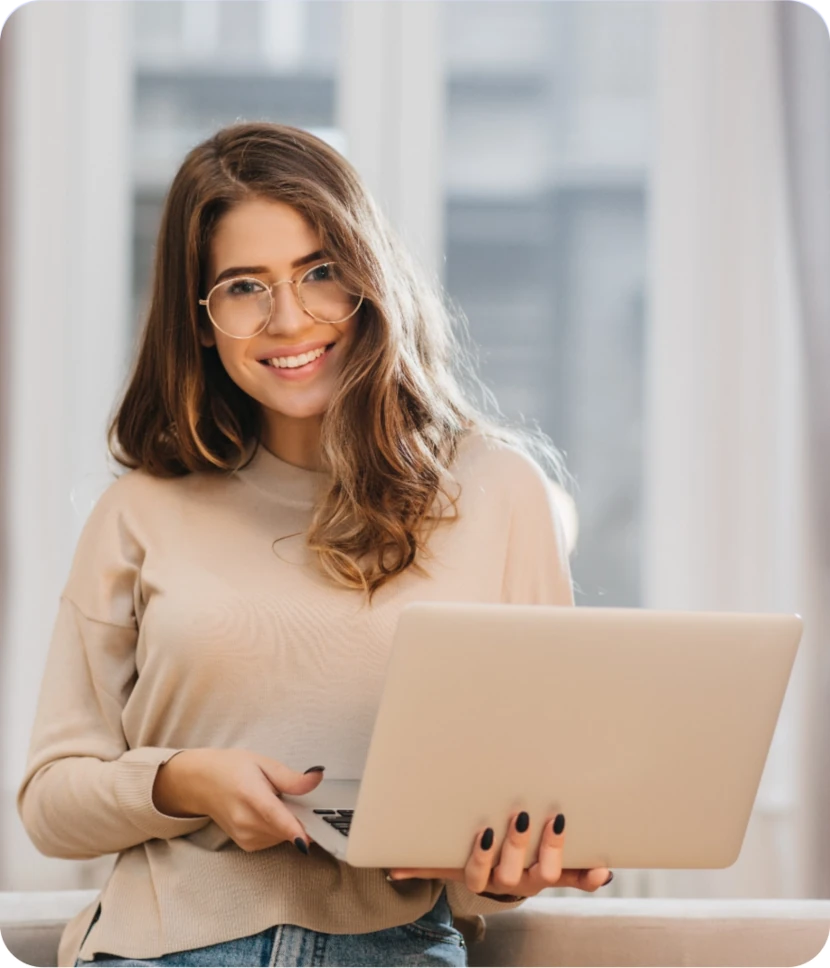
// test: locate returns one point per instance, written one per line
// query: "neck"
(296, 440)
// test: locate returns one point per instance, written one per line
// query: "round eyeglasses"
(241, 307)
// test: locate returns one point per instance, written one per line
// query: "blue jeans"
(431, 940)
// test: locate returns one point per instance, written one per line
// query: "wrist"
(175, 789)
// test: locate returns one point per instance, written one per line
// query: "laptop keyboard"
(339, 819)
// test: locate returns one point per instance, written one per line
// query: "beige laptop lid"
(648, 729)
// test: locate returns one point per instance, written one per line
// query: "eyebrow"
(257, 270)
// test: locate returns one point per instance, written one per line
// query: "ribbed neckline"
(285, 482)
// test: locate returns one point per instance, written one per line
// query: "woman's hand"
(506, 874)
(239, 790)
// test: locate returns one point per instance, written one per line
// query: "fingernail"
(610, 878)
(314, 769)
(487, 839)
(559, 824)
(301, 845)
(522, 822)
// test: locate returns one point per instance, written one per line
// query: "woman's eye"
(244, 287)
(323, 273)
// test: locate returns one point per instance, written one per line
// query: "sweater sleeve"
(85, 793)
(536, 572)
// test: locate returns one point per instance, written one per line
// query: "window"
(201, 66)
(546, 168)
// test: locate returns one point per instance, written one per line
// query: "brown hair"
(394, 423)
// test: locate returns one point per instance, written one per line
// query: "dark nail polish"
(610, 878)
(522, 822)
(314, 769)
(559, 824)
(301, 845)
(487, 839)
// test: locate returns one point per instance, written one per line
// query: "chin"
(298, 409)
(298, 413)
(298, 403)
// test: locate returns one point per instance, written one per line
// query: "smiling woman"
(297, 378)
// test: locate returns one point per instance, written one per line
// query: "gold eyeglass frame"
(295, 285)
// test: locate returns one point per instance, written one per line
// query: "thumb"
(290, 781)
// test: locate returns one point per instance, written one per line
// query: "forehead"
(261, 232)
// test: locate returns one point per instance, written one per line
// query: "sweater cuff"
(134, 780)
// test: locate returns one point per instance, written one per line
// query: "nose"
(287, 314)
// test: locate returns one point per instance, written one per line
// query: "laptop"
(648, 730)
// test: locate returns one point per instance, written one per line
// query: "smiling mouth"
(297, 362)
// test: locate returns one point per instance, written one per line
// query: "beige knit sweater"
(183, 625)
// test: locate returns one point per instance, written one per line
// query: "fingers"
(511, 866)
(479, 867)
(284, 823)
(503, 874)
(586, 880)
(285, 780)
(548, 867)
(294, 830)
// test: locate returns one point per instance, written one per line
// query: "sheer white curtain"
(805, 62)
(728, 491)
(66, 238)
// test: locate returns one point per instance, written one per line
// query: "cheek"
(241, 371)
(232, 358)
(348, 337)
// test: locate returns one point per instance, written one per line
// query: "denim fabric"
(431, 940)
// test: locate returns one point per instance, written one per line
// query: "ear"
(206, 338)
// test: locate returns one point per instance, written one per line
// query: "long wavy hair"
(408, 392)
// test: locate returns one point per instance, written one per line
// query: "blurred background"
(630, 202)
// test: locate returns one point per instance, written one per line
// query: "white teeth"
(293, 361)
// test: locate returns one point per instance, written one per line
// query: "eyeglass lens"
(241, 307)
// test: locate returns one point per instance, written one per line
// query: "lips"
(297, 350)
(302, 372)
(292, 362)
